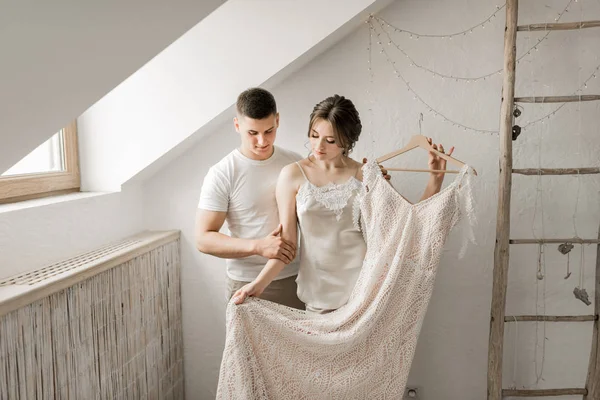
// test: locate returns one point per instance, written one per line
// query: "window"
(50, 169)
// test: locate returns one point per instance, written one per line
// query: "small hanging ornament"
(540, 275)
(516, 131)
(568, 268)
(566, 248)
(581, 294)
(516, 112)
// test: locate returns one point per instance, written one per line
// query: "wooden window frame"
(32, 186)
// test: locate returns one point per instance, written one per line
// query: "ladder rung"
(561, 26)
(542, 392)
(543, 241)
(551, 318)
(556, 171)
(557, 99)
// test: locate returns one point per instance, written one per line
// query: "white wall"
(451, 358)
(175, 191)
(243, 43)
(52, 231)
(60, 57)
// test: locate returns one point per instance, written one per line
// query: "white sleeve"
(214, 195)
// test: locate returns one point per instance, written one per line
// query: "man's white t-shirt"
(245, 190)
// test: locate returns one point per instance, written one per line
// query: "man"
(241, 189)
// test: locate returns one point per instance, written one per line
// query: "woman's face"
(323, 142)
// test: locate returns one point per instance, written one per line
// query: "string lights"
(381, 23)
(414, 35)
(370, 98)
(416, 96)
(579, 91)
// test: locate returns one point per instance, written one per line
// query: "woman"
(319, 194)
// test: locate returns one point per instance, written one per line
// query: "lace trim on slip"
(332, 196)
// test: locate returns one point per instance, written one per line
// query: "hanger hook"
(420, 120)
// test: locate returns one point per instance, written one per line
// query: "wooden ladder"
(591, 391)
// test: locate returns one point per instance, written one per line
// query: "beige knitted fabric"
(364, 349)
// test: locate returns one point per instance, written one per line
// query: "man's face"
(258, 135)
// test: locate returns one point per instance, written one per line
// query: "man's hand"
(252, 289)
(384, 171)
(275, 247)
(436, 162)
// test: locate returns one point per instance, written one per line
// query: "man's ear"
(236, 124)
(277, 120)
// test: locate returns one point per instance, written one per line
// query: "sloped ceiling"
(60, 57)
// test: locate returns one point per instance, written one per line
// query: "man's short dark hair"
(256, 103)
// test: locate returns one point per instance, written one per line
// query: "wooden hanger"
(422, 142)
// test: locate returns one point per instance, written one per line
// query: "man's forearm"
(223, 246)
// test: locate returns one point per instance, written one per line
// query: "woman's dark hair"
(344, 119)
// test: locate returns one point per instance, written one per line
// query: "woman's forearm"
(433, 186)
(272, 268)
(286, 203)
